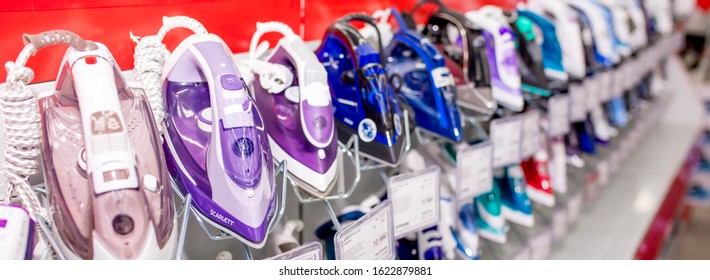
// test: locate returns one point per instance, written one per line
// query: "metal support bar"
(184, 211)
(187, 208)
(333, 216)
(247, 252)
(46, 231)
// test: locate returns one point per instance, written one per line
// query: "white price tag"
(415, 200)
(541, 245)
(559, 224)
(578, 103)
(369, 238)
(591, 88)
(558, 114)
(310, 251)
(574, 207)
(474, 165)
(506, 135)
(532, 136)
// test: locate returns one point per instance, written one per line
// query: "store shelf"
(614, 225)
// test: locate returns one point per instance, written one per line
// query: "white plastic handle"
(266, 27)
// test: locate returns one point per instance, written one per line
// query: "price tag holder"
(415, 200)
(541, 245)
(591, 88)
(310, 251)
(474, 167)
(578, 103)
(506, 135)
(558, 114)
(369, 238)
(532, 138)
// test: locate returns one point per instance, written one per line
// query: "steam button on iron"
(243, 147)
(150, 183)
(230, 82)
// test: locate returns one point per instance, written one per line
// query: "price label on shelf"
(474, 165)
(577, 103)
(506, 135)
(369, 238)
(541, 245)
(415, 200)
(591, 88)
(310, 251)
(558, 114)
(532, 138)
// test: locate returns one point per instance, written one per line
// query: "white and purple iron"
(106, 181)
(291, 91)
(568, 33)
(216, 145)
(500, 45)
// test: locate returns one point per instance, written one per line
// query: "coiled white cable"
(18, 105)
(150, 54)
(275, 78)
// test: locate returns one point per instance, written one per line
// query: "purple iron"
(216, 145)
(17, 233)
(108, 189)
(298, 111)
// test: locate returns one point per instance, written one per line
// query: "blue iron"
(364, 102)
(423, 245)
(489, 221)
(517, 207)
(424, 81)
(467, 56)
(462, 240)
(489, 218)
(551, 50)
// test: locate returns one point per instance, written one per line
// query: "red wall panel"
(109, 21)
(233, 20)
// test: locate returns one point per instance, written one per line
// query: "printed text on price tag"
(532, 138)
(369, 238)
(578, 103)
(415, 200)
(558, 114)
(474, 165)
(506, 135)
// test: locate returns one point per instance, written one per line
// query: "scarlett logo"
(221, 217)
(367, 130)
